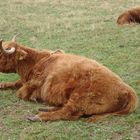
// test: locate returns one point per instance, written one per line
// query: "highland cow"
(130, 16)
(74, 85)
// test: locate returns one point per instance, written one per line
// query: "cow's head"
(10, 54)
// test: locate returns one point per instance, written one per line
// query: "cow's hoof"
(34, 118)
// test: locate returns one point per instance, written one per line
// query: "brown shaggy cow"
(75, 85)
(130, 16)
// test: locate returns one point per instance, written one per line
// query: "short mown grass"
(82, 27)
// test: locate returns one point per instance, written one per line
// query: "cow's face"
(10, 53)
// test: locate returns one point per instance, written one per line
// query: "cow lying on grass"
(130, 16)
(75, 85)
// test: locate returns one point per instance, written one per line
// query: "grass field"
(83, 27)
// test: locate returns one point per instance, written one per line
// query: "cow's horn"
(14, 38)
(10, 51)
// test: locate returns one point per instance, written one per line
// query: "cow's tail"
(129, 101)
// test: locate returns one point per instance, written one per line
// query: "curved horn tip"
(14, 37)
(12, 50)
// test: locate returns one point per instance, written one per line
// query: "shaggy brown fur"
(130, 16)
(75, 85)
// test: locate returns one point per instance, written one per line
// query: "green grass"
(83, 27)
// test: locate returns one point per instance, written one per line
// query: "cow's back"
(70, 73)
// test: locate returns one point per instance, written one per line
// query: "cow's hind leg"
(68, 112)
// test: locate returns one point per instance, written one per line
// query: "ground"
(82, 27)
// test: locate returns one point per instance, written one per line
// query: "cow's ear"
(21, 55)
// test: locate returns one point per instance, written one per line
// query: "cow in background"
(130, 16)
(74, 85)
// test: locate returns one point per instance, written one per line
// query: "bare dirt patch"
(1, 125)
(136, 132)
